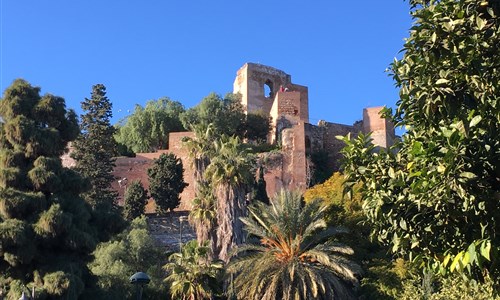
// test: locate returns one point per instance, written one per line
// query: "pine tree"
(135, 201)
(45, 235)
(94, 150)
(166, 182)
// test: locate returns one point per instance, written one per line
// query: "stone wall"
(304, 100)
(274, 171)
(382, 130)
(331, 144)
(129, 169)
(171, 230)
(314, 138)
(289, 111)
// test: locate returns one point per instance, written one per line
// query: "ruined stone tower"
(271, 91)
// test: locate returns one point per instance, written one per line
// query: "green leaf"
(391, 173)
(480, 23)
(456, 261)
(403, 225)
(446, 260)
(475, 121)
(491, 12)
(471, 251)
(466, 259)
(485, 250)
(468, 175)
(442, 81)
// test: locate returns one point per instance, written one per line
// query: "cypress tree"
(45, 236)
(94, 152)
(166, 182)
(136, 198)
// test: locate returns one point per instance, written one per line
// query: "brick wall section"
(288, 104)
(298, 168)
(177, 148)
(382, 130)
(130, 169)
(331, 144)
(273, 172)
(287, 169)
(304, 101)
(135, 168)
(314, 138)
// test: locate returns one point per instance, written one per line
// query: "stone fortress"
(271, 91)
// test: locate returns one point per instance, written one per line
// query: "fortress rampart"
(271, 91)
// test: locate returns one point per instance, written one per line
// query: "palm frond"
(288, 255)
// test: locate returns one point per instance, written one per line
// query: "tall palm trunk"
(231, 205)
(200, 165)
(205, 229)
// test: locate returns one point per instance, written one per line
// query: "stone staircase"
(171, 229)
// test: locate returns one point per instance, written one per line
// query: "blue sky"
(143, 50)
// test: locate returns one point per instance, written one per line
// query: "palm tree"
(224, 172)
(231, 174)
(203, 214)
(192, 273)
(291, 254)
(200, 148)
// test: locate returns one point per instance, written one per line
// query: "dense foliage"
(436, 199)
(192, 273)
(45, 235)
(147, 128)
(131, 251)
(382, 275)
(450, 288)
(319, 167)
(291, 254)
(166, 182)
(332, 193)
(225, 114)
(135, 200)
(256, 127)
(94, 152)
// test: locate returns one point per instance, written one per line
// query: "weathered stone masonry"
(288, 106)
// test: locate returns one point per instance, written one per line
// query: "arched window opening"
(268, 89)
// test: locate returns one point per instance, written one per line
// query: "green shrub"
(450, 288)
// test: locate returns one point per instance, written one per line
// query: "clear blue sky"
(143, 50)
